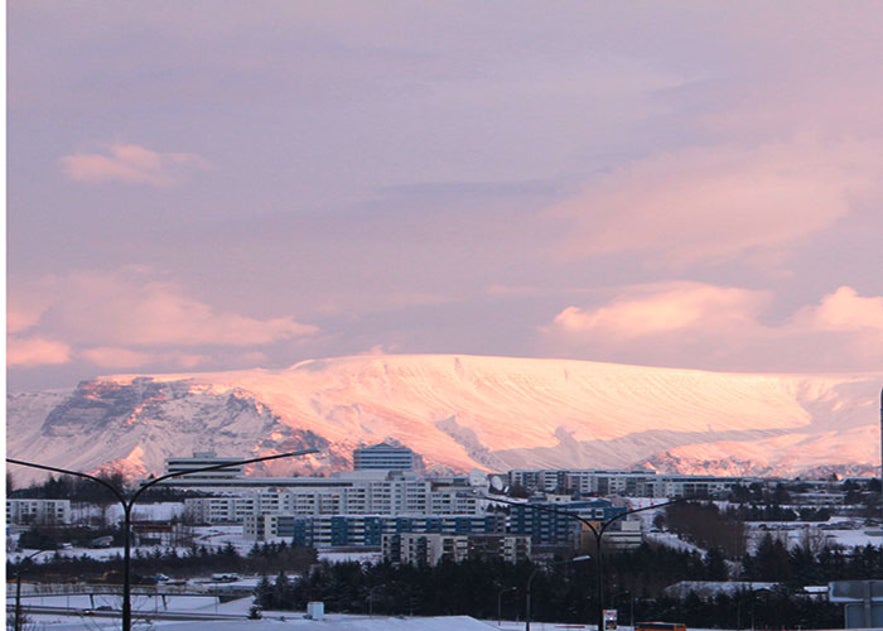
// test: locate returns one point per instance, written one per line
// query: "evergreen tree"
(281, 594)
(263, 593)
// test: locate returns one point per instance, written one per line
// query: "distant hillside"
(460, 413)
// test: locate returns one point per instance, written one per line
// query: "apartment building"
(559, 522)
(200, 459)
(361, 530)
(385, 457)
(25, 512)
(372, 492)
(432, 548)
(626, 483)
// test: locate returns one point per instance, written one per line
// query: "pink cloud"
(20, 317)
(128, 319)
(723, 329)
(853, 322)
(117, 358)
(713, 204)
(36, 351)
(130, 309)
(845, 310)
(665, 308)
(254, 358)
(131, 164)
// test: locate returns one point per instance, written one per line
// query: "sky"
(211, 185)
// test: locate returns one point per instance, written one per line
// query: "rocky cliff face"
(459, 413)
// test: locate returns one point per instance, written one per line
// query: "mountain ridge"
(460, 412)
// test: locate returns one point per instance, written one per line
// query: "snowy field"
(276, 620)
(279, 621)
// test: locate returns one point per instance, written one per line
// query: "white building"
(384, 456)
(628, 483)
(347, 493)
(24, 512)
(199, 460)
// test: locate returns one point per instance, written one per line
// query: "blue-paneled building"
(368, 530)
(554, 523)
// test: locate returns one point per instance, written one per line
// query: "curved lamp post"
(527, 612)
(598, 532)
(127, 502)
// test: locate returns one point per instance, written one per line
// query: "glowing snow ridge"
(465, 412)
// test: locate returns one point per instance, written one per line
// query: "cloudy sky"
(208, 185)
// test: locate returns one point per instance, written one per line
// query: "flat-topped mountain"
(460, 413)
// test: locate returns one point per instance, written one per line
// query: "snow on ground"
(273, 620)
(113, 512)
(221, 536)
(671, 540)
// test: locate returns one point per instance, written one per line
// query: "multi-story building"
(536, 479)
(431, 548)
(384, 456)
(555, 523)
(604, 483)
(622, 535)
(26, 512)
(697, 485)
(352, 493)
(362, 530)
(224, 509)
(199, 460)
(626, 483)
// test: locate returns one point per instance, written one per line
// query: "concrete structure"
(627, 483)
(551, 523)
(622, 535)
(203, 459)
(361, 530)
(671, 486)
(430, 549)
(226, 509)
(863, 602)
(378, 492)
(26, 512)
(385, 457)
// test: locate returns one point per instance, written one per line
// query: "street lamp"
(585, 557)
(18, 571)
(128, 502)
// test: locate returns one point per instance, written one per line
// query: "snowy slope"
(462, 412)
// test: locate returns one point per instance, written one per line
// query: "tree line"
(86, 491)
(483, 588)
(196, 560)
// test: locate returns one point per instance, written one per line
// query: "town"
(707, 547)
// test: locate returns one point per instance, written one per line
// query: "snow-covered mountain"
(460, 413)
